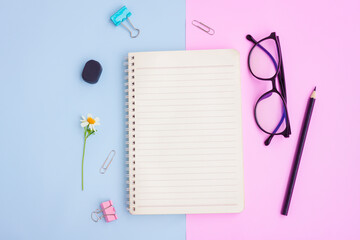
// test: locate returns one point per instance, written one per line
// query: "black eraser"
(92, 72)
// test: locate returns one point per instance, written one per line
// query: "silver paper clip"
(203, 27)
(103, 167)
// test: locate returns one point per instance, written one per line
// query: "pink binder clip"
(107, 210)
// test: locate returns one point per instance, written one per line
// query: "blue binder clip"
(120, 16)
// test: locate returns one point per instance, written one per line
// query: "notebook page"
(185, 142)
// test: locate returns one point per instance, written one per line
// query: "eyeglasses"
(265, 63)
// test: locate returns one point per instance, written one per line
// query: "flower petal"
(83, 118)
(89, 115)
(84, 124)
(97, 119)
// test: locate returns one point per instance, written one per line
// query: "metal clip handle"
(95, 215)
(131, 33)
(103, 167)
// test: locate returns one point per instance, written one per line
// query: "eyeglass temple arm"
(281, 75)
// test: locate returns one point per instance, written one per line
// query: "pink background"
(320, 45)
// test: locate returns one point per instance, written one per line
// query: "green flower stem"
(89, 133)
(82, 166)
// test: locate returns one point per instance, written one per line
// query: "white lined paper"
(187, 144)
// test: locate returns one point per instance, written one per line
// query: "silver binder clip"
(120, 16)
(103, 167)
(203, 27)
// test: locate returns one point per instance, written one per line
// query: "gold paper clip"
(203, 27)
(103, 167)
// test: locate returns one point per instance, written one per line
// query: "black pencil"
(299, 150)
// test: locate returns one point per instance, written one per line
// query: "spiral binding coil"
(130, 150)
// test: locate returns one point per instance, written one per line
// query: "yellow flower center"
(90, 120)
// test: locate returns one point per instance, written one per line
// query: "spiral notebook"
(185, 135)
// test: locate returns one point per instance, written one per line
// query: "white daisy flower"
(90, 121)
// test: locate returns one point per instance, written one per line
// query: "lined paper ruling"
(185, 137)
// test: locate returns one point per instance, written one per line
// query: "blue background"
(43, 48)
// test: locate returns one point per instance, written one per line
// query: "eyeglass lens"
(264, 60)
(270, 113)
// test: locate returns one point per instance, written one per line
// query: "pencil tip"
(313, 94)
